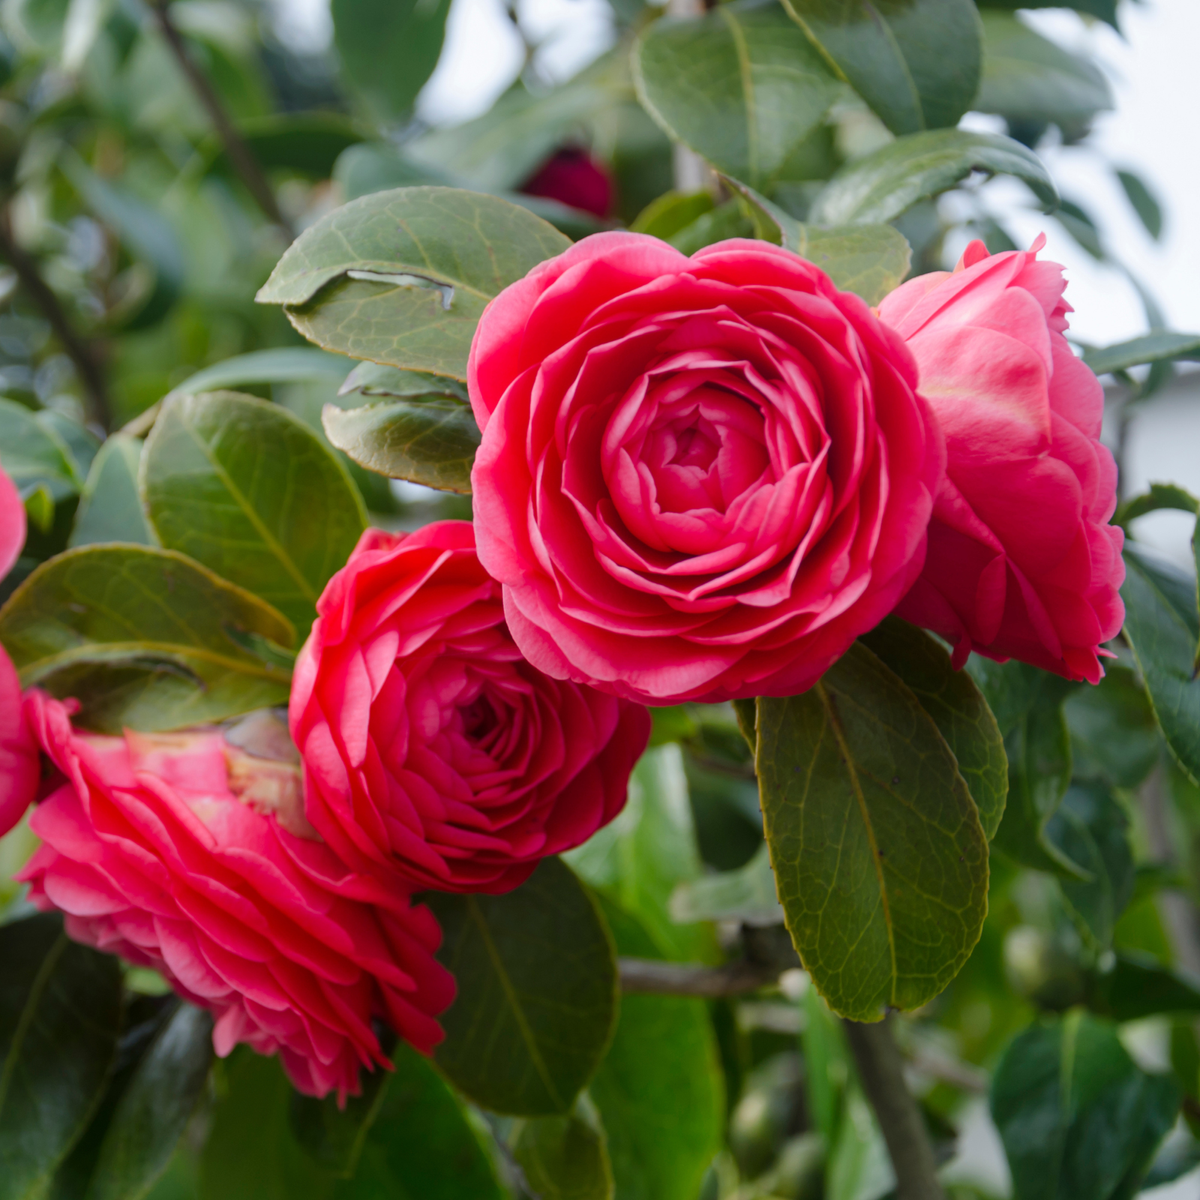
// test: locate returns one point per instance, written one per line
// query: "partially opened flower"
(701, 478)
(430, 745)
(184, 853)
(1022, 562)
(19, 770)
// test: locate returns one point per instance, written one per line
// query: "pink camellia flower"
(572, 176)
(1022, 562)
(701, 478)
(429, 744)
(19, 768)
(184, 853)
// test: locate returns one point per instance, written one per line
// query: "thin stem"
(690, 979)
(881, 1070)
(240, 155)
(42, 295)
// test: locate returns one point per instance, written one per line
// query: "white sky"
(1154, 130)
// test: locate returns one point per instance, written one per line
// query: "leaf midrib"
(99, 652)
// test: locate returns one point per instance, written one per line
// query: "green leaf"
(111, 508)
(1077, 1116)
(746, 895)
(727, 220)
(881, 185)
(1091, 829)
(388, 49)
(1139, 986)
(1106, 10)
(1162, 625)
(1027, 704)
(957, 707)
(1028, 78)
(60, 1017)
(742, 86)
(378, 379)
(1160, 346)
(672, 212)
(639, 858)
(306, 142)
(431, 439)
(1143, 201)
(143, 637)
(155, 1107)
(879, 856)
(537, 992)
(333, 1133)
(915, 62)
(869, 260)
(34, 454)
(565, 1158)
(402, 277)
(1114, 734)
(826, 1064)
(380, 167)
(284, 364)
(659, 1089)
(1159, 496)
(246, 489)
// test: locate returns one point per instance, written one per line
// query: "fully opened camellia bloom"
(1022, 562)
(184, 853)
(19, 768)
(430, 745)
(700, 478)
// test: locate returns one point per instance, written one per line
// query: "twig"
(240, 156)
(43, 296)
(881, 1070)
(689, 979)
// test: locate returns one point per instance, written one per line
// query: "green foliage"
(565, 1158)
(916, 64)
(879, 855)
(56, 1049)
(1155, 347)
(35, 455)
(402, 277)
(111, 508)
(146, 638)
(537, 992)
(245, 489)
(1077, 1116)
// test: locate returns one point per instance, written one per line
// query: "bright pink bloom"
(572, 176)
(19, 767)
(1022, 562)
(701, 478)
(429, 744)
(171, 850)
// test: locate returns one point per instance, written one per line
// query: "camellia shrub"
(759, 753)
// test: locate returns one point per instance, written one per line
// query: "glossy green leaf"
(154, 1107)
(639, 858)
(1106, 10)
(333, 1133)
(34, 454)
(1162, 624)
(1028, 78)
(378, 379)
(60, 1018)
(1161, 346)
(402, 277)
(1027, 704)
(1114, 734)
(881, 185)
(145, 638)
(879, 855)
(111, 508)
(537, 992)
(1076, 1115)
(388, 49)
(429, 439)
(245, 488)
(672, 212)
(1144, 202)
(565, 1158)
(1139, 986)
(742, 86)
(81, 444)
(915, 62)
(869, 260)
(1157, 497)
(957, 707)
(746, 895)
(659, 1089)
(727, 220)
(1091, 829)
(283, 364)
